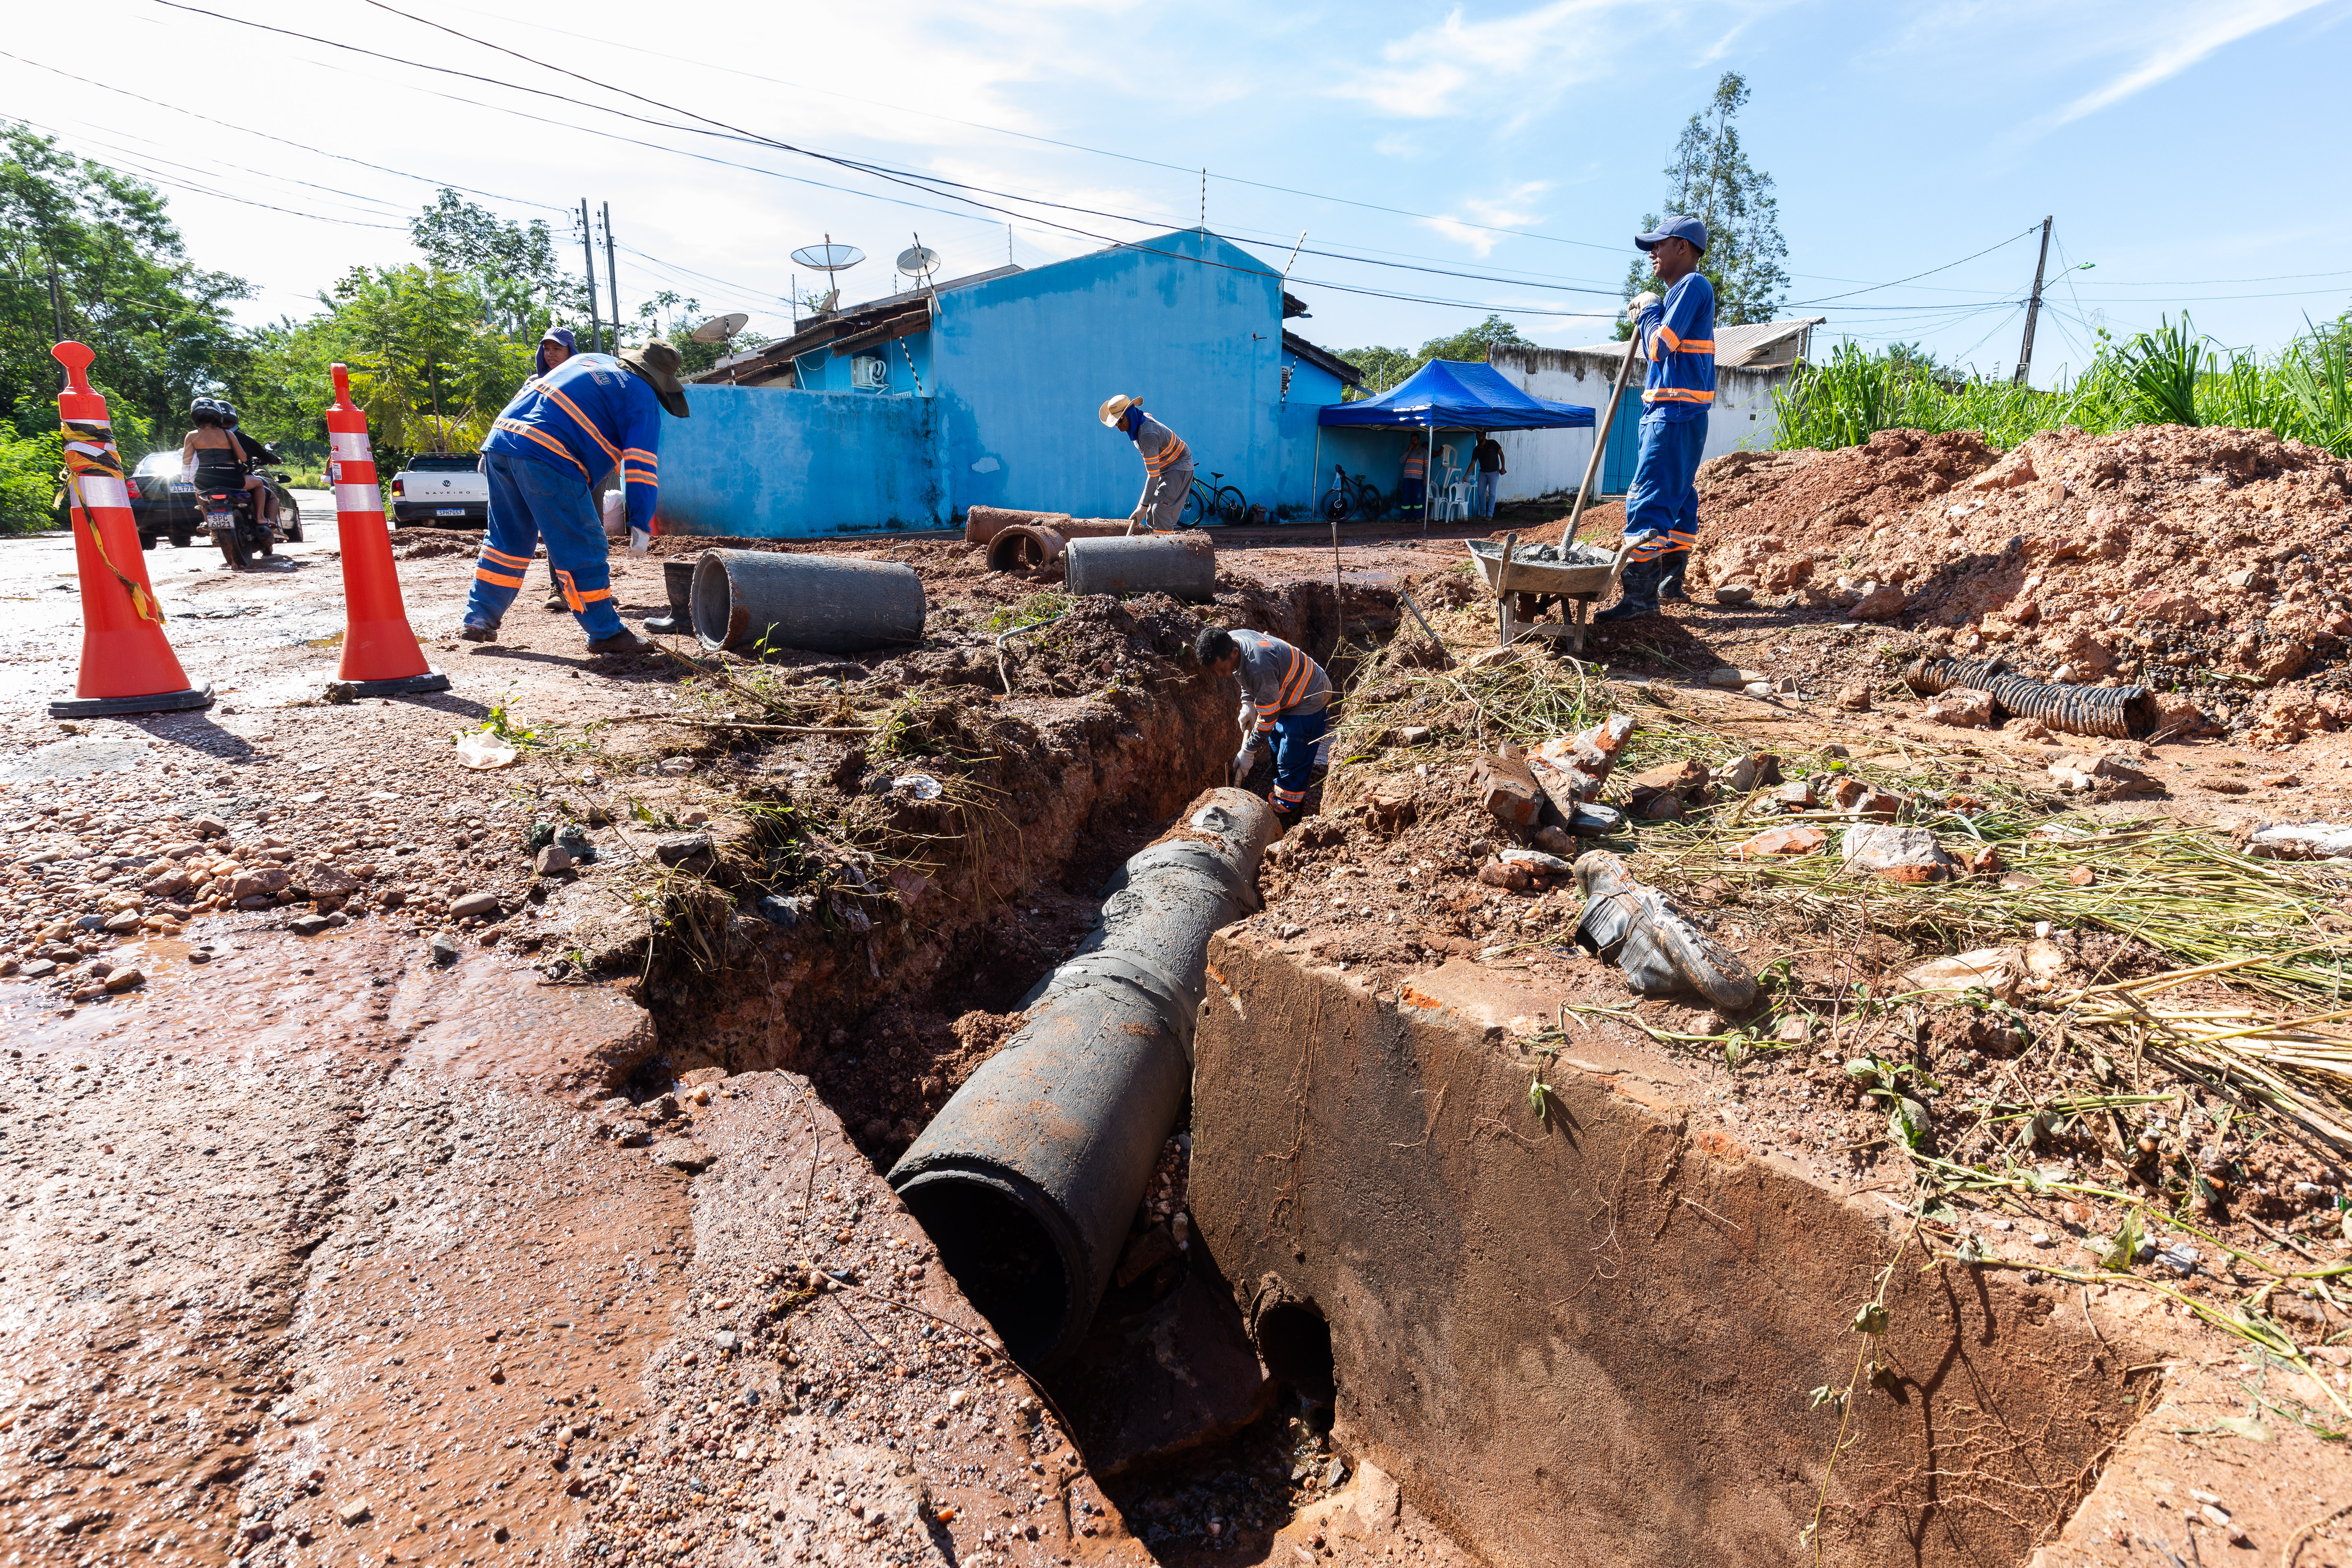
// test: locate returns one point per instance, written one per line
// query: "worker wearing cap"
(1286, 698)
(1167, 463)
(1677, 338)
(544, 453)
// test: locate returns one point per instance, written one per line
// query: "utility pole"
(2033, 309)
(57, 300)
(611, 278)
(588, 244)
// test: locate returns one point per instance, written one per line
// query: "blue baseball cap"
(1688, 228)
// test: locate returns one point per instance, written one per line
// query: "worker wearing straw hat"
(1167, 463)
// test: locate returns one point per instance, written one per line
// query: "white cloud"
(1486, 214)
(1432, 72)
(2204, 32)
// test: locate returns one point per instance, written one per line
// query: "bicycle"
(1207, 500)
(1357, 495)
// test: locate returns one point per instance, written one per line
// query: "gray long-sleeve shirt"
(1279, 680)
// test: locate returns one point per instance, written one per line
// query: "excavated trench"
(1617, 1336)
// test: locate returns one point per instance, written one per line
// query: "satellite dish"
(828, 256)
(719, 328)
(916, 260)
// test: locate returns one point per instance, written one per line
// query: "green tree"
(1384, 368)
(511, 265)
(124, 286)
(1711, 179)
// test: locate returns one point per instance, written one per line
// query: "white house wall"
(1551, 462)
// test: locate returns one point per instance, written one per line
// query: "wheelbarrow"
(1562, 578)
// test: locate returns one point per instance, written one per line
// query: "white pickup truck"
(442, 490)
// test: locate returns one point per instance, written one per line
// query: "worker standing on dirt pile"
(1286, 695)
(1678, 337)
(542, 461)
(1167, 463)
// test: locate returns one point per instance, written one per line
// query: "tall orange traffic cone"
(127, 662)
(380, 658)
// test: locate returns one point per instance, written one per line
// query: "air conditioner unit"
(869, 373)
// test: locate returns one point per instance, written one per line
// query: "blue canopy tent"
(1452, 394)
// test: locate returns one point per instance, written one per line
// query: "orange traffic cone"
(380, 658)
(127, 662)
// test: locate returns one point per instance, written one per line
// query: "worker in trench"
(541, 461)
(1285, 699)
(1677, 338)
(1167, 464)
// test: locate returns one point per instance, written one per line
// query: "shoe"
(623, 641)
(1654, 944)
(1637, 592)
(472, 633)
(555, 600)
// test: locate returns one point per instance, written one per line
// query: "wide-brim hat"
(1114, 409)
(658, 364)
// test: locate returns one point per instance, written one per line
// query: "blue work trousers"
(1413, 492)
(1295, 736)
(531, 500)
(1662, 507)
(1487, 479)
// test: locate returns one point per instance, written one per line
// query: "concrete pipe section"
(1029, 1178)
(1182, 565)
(745, 600)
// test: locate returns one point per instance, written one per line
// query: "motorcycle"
(228, 514)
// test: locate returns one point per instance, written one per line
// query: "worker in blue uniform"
(563, 428)
(1677, 338)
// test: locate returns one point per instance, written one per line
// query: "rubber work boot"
(623, 641)
(1637, 588)
(1670, 584)
(473, 633)
(1658, 949)
(678, 581)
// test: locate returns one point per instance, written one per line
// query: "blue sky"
(1517, 142)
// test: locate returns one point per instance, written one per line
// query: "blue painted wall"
(763, 463)
(1012, 373)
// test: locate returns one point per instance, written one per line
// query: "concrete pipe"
(747, 599)
(1025, 546)
(1029, 1178)
(983, 523)
(1182, 565)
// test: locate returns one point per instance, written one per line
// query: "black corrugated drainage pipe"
(1028, 1179)
(2118, 713)
(744, 599)
(1182, 565)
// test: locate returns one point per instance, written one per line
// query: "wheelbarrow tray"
(1587, 577)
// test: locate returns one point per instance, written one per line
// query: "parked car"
(164, 505)
(442, 490)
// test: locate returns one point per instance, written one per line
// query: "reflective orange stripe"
(486, 575)
(1676, 394)
(502, 558)
(585, 423)
(594, 594)
(1169, 455)
(532, 433)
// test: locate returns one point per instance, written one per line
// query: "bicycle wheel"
(1230, 505)
(1369, 503)
(1196, 507)
(1336, 504)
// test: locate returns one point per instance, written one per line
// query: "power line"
(205, 173)
(1946, 267)
(247, 130)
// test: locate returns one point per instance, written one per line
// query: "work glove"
(641, 542)
(1248, 720)
(1245, 759)
(1639, 304)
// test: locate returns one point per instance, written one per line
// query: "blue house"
(982, 391)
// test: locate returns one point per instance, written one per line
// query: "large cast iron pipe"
(1182, 565)
(745, 599)
(1028, 1179)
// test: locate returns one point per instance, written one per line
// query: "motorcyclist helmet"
(212, 411)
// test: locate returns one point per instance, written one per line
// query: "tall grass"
(2173, 375)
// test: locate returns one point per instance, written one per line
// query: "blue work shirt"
(589, 414)
(1679, 337)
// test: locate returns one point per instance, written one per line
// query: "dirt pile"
(2155, 554)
